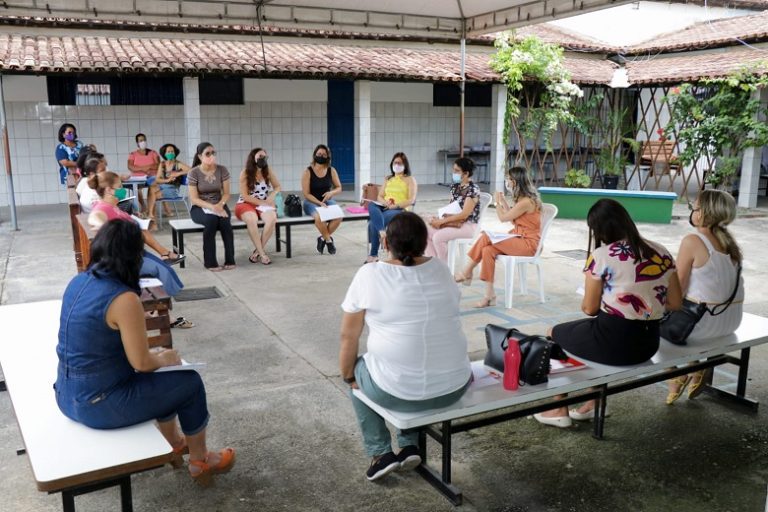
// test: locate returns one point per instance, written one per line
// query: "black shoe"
(386, 464)
(331, 247)
(320, 245)
(409, 458)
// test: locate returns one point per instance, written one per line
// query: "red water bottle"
(511, 365)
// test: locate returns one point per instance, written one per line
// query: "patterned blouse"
(461, 192)
(260, 190)
(635, 291)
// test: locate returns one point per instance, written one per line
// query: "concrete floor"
(274, 392)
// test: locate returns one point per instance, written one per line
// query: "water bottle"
(511, 365)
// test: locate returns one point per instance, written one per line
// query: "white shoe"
(584, 416)
(556, 421)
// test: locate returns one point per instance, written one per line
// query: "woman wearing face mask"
(170, 176)
(319, 183)
(144, 161)
(396, 195)
(208, 192)
(525, 213)
(460, 225)
(258, 187)
(67, 151)
(110, 189)
(707, 265)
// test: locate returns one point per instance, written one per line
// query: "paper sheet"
(372, 201)
(265, 208)
(330, 212)
(483, 377)
(149, 282)
(143, 223)
(453, 208)
(185, 365)
(497, 237)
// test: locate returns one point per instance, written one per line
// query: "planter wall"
(643, 206)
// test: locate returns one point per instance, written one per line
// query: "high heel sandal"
(486, 302)
(682, 381)
(177, 457)
(204, 477)
(461, 277)
(699, 381)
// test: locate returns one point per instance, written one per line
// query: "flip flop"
(264, 260)
(182, 323)
(254, 257)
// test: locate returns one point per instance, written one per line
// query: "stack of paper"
(497, 237)
(453, 208)
(143, 223)
(183, 366)
(330, 212)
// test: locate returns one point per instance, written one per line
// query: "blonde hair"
(718, 210)
(100, 181)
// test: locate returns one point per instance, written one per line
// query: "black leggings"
(212, 224)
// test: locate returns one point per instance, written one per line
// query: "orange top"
(529, 226)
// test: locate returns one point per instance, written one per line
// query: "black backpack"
(293, 206)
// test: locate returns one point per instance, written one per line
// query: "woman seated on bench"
(707, 264)
(105, 377)
(417, 351)
(319, 183)
(396, 195)
(525, 213)
(258, 187)
(629, 282)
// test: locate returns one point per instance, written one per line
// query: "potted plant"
(577, 178)
(612, 158)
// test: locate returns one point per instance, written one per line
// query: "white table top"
(753, 331)
(63, 453)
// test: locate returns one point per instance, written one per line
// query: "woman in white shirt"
(707, 265)
(417, 351)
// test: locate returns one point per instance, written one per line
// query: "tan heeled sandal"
(461, 277)
(486, 302)
(681, 381)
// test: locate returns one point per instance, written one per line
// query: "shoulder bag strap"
(730, 299)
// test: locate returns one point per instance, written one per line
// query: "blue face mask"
(456, 178)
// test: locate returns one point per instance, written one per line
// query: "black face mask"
(321, 159)
(261, 163)
(690, 220)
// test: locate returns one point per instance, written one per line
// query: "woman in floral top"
(460, 225)
(629, 283)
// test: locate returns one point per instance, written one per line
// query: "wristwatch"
(350, 380)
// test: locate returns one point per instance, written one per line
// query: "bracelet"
(349, 380)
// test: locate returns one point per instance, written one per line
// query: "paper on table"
(185, 365)
(265, 208)
(330, 212)
(149, 282)
(569, 364)
(452, 208)
(143, 223)
(482, 376)
(497, 237)
(210, 212)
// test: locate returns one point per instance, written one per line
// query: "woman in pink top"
(144, 161)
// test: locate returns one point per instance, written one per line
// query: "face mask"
(398, 168)
(170, 156)
(262, 162)
(509, 188)
(121, 193)
(321, 159)
(456, 178)
(143, 144)
(69, 136)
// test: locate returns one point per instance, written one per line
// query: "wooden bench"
(659, 153)
(181, 227)
(487, 405)
(66, 456)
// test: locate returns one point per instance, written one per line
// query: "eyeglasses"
(209, 153)
(692, 208)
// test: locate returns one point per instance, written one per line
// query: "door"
(341, 127)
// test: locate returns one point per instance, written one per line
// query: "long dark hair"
(63, 128)
(407, 237)
(250, 170)
(524, 186)
(117, 251)
(610, 222)
(327, 150)
(199, 151)
(402, 157)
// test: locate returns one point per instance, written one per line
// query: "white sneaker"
(556, 421)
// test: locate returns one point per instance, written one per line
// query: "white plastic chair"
(458, 246)
(548, 213)
(181, 198)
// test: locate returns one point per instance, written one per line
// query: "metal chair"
(181, 198)
(458, 246)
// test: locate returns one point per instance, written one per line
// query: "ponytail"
(407, 260)
(727, 242)
(100, 181)
(718, 210)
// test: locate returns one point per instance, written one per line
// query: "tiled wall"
(288, 130)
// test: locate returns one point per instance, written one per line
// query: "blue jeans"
(140, 397)
(378, 219)
(310, 208)
(376, 437)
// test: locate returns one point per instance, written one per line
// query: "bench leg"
(288, 241)
(277, 238)
(738, 398)
(126, 498)
(3, 387)
(441, 482)
(599, 419)
(175, 244)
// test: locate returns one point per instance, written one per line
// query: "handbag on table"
(676, 326)
(535, 351)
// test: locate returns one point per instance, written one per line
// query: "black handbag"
(292, 206)
(676, 326)
(535, 352)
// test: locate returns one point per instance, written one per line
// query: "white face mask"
(509, 188)
(398, 168)
(143, 144)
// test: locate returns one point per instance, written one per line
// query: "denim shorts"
(310, 208)
(169, 191)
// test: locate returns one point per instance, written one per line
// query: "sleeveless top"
(396, 188)
(713, 283)
(260, 190)
(529, 226)
(92, 359)
(319, 186)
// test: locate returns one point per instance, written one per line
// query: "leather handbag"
(535, 351)
(292, 206)
(676, 326)
(371, 192)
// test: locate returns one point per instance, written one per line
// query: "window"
(115, 90)
(222, 90)
(449, 95)
(93, 94)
